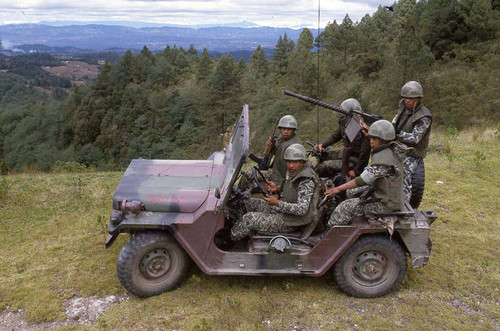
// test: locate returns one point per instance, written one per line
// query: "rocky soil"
(79, 311)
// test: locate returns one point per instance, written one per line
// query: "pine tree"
(282, 51)
(204, 65)
(258, 63)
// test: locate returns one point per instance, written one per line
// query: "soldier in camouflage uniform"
(413, 128)
(360, 147)
(296, 207)
(288, 127)
(385, 173)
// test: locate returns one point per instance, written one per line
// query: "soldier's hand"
(271, 186)
(332, 191)
(319, 147)
(365, 129)
(272, 200)
(351, 174)
(270, 141)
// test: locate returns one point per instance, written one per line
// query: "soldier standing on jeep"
(299, 196)
(360, 147)
(413, 128)
(385, 173)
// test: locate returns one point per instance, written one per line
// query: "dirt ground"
(77, 71)
(79, 311)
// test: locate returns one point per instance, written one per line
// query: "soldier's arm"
(373, 172)
(418, 132)
(334, 138)
(305, 192)
(394, 119)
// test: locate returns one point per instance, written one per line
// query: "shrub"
(68, 166)
(4, 187)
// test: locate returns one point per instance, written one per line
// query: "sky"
(274, 13)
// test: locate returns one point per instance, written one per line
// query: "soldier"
(299, 196)
(360, 147)
(288, 127)
(385, 173)
(413, 128)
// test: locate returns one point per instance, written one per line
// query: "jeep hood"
(167, 185)
(183, 185)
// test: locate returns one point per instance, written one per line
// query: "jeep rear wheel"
(151, 263)
(372, 267)
(417, 185)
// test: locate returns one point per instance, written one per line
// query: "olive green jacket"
(289, 193)
(389, 190)
(279, 163)
(405, 121)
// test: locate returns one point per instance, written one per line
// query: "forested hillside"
(178, 103)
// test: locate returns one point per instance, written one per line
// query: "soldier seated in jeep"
(299, 196)
(385, 173)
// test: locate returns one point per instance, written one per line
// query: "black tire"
(372, 267)
(151, 263)
(417, 185)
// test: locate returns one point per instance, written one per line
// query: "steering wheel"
(258, 177)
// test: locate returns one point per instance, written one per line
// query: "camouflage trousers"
(332, 166)
(262, 218)
(410, 164)
(328, 168)
(351, 208)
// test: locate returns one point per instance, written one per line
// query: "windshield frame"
(236, 154)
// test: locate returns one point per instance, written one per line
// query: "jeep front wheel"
(151, 263)
(372, 267)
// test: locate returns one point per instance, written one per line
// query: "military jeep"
(178, 211)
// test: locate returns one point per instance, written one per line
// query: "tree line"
(180, 103)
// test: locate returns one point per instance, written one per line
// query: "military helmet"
(351, 104)
(296, 152)
(288, 122)
(412, 89)
(382, 129)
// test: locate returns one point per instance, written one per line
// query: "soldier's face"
(294, 166)
(410, 102)
(286, 133)
(374, 142)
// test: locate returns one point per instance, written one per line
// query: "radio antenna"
(317, 88)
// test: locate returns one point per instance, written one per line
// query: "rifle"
(263, 162)
(358, 118)
(320, 156)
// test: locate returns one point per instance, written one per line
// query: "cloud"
(291, 13)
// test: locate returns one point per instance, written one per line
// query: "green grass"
(53, 227)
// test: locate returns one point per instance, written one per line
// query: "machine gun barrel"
(318, 102)
(368, 118)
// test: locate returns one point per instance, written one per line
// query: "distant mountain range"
(101, 37)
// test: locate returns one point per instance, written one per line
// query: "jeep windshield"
(236, 153)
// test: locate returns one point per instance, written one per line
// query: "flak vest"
(407, 123)
(279, 163)
(389, 190)
(289, 194)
